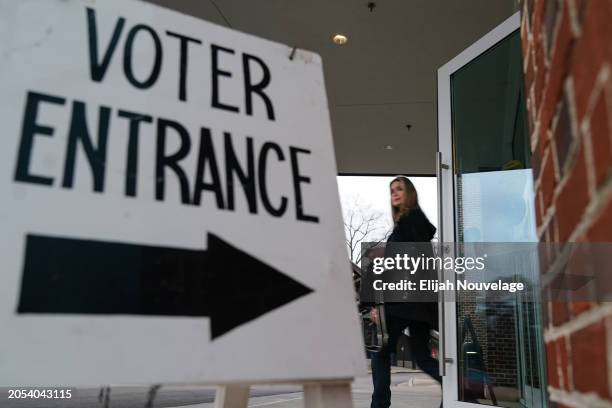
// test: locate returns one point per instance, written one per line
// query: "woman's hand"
(374, 315)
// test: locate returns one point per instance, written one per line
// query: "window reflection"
(499, 343)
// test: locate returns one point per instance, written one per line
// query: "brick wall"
(567, 50)
(502, 361)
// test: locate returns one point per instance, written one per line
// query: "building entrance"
(492, 350)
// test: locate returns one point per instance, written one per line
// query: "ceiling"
(383, 79)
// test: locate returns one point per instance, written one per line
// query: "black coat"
(413, 227)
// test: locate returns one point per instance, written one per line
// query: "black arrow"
(73, 276)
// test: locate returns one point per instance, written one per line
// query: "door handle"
(442, 360)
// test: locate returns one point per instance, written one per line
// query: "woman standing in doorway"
(410, 225)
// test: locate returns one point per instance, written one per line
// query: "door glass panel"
(500, 356)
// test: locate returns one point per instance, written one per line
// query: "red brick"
(528, 9)
(546, 258)
(581, 238)
(564, 363)
(540, 202)
(591, 51)
(580, 307)
(556, 229)
(578, 278)
(560, 314)
(551, 364)
(559, 61)
(550, 231)
(547, 183)
(589, 359)
(538, 214)
(537, 16)
(600, 138)
(524, 38)
(545, 314)
(546, 318)
(601, 230)
(529, 75)
(580, 9)
(536, 161)
(551, 11)
(574, 197)
(564, 135)
(540, 83)
(530, 115)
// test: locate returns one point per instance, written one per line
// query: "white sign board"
(169, 209)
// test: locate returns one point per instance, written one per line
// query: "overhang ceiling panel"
(383, 78)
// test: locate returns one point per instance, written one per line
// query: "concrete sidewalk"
(410, 389)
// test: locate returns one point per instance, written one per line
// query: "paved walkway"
(410, 389)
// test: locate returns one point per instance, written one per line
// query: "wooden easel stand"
(323, 394)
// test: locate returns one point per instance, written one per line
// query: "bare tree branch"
(362, 224)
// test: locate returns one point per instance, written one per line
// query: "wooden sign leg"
(328, 395)
(232, 396)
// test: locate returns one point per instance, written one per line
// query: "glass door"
(492, 350)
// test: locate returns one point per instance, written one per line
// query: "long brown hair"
(410, 201)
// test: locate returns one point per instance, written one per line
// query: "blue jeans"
(381, 362)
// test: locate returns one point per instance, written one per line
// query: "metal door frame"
(447, 199)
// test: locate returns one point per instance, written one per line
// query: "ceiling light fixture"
(340, 39)
(388, 147)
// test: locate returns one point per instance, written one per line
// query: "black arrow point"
(76, 276)
(247, 287)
